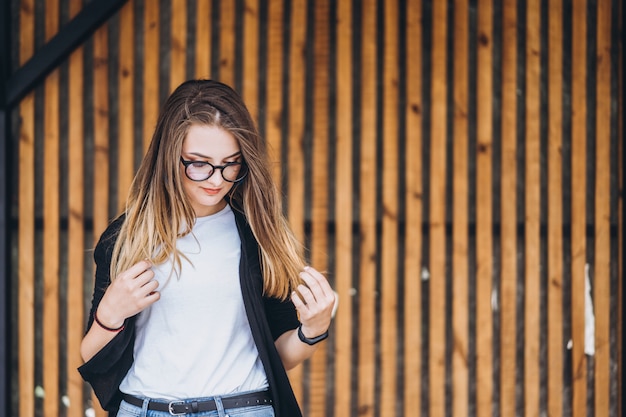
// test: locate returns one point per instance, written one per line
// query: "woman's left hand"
(314, 302)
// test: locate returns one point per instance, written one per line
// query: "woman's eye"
(198, 164)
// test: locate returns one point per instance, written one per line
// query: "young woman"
(202, 299)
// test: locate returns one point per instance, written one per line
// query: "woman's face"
(214, 145)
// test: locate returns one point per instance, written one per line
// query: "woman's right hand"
(129, 293)
(132, 291)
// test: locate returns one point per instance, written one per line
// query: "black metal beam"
(59, 47)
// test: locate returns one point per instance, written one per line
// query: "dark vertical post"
(5, 206)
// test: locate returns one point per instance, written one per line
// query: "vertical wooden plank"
(460, 261)
(51, 215)
(508, 206)
(414, 192)
(204, 45)
(274, 103)
(26, 228)
(389, 258)
(178, 45)
(555, 210)
(126, 70)
(151, 61)
(343, 212)
(101, 130)
(26, 313)
(319, 200)
(76, 234)
(532, 242)
(578, 192)
(100, 184)
(484, 211)
(296, 163)
(437, 231)
(602, 268)
(227, 42)
(251, 57)
(367, 213)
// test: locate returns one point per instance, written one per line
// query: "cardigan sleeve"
(107, 368)
(102, 257)
(282, 316)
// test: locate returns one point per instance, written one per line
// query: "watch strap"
(313, 340)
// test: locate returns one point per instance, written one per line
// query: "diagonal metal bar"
(59, 47)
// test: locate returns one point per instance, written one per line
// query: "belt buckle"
(170, 408)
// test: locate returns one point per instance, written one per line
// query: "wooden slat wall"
(413, 193)
(455, 168)
(484, 241)
(556, 352)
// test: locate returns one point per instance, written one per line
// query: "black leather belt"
(182, 407)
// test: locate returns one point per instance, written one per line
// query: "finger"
(136, 270)
(313, 276)
(311, 283)
(147, 301)
(149, 287)
(145, 277)
(307, 295)
(323, 294)
(297, 301)
(335, 304)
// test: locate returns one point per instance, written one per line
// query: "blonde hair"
(158, 211)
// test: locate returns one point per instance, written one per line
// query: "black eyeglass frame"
(214, 168)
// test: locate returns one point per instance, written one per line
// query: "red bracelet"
(110, 329)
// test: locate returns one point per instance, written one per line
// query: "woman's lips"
(211, 191)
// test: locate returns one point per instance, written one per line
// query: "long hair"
(158, 211)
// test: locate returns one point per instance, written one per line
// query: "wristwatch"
(313, 340)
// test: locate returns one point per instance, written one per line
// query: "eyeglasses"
(202, 171)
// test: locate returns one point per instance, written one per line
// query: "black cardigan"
(269, 318)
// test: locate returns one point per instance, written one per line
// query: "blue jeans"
(129, 410)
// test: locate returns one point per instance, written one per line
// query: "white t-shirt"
(196, 340)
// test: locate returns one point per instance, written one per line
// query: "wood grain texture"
(367, 214)
(532, 201)
(51, 233)
(296, 160)
(389, 241)
(484, 211)
(76, 227)
(319, 199)
(437, 221)
(413, 211)
(343, 205)
(508, 219)
(460, 201)
(601, 287)
(204, 44)
(151, 58)
(126, 103)
(556, 345)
